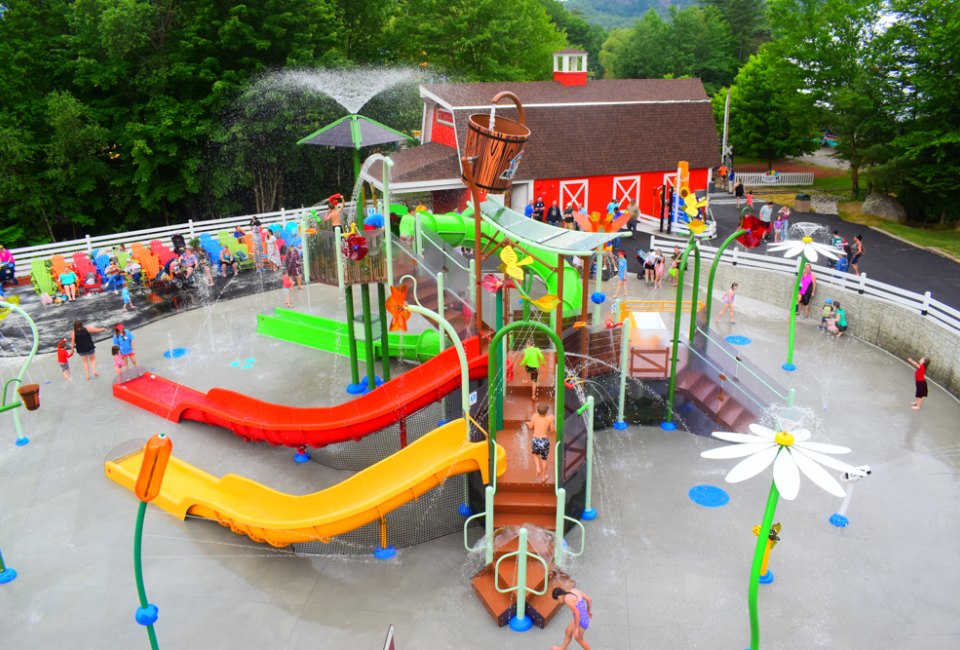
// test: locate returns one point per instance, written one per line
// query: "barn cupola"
(570, 67)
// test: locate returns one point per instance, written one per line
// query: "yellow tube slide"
(265, 515)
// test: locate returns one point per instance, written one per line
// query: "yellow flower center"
(807, 239)
(784, 439)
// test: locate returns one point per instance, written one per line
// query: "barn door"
(626, 188)
(575, 191)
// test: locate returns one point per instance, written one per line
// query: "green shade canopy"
(353, 132)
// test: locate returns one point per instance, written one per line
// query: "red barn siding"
(442, 133)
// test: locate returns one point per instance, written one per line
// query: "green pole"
(695, 295)
(589, 514)
(368, 335)
(500, 385)
(493, 354)
(788, 366)
(757, 562)
(441, 307)
(138, 571)
(597, 285)
(384, 334)
(352, 336)
(668, 424)
(713, 269)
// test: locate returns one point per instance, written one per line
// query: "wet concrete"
(663, 572)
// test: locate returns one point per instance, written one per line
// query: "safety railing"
(790, 179)
(560, 545)
(520, 620)
(743, 372)
(923, 304)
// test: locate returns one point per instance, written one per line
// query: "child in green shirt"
(532, 360)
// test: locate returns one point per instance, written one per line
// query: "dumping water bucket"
(495, 146)
(30, 395)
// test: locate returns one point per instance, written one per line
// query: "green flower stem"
(138, 571)
(758, 553)
(794, 310)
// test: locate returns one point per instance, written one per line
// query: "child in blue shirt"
(124, 340)
(621, 275)
(125, 295)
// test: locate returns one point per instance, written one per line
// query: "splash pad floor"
(663, 571)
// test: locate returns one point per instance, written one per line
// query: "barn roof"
(607, 127)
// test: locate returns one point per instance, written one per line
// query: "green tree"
(836, 46)
(479, 40)
(746, 22)
(769, 116)
(924, 163)
(692, 42)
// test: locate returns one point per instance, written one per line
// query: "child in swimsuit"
(581, 606)
(541, 425)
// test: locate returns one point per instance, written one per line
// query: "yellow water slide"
(265, 515)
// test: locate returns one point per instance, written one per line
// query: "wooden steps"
(503, 606)
(709, 395)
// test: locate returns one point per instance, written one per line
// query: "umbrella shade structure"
(353, 132)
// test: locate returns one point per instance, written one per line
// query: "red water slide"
(291, 426)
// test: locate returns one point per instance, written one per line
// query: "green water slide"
(457, 229)
(331, 336)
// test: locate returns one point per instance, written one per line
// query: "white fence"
(923, 304)
(754, 179)
(189, 230)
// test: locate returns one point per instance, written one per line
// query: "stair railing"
(488, 493)
(520, 621)
(560, 544)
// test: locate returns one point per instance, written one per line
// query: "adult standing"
(634, 211)
(568, 216)
(554, 215)
(722, 176)
(539, 208)
(738, 192)
(257, 230)
(857, 254)
(8, 266)
(784, 213)
(81, 340)
(808, 289)
(294, 265)
(766, 216)
(273, 251)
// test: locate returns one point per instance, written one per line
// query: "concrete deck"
(663, 572)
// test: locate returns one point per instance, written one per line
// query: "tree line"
(125, 114)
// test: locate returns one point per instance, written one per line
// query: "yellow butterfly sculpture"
(512, 264)
(548, 302)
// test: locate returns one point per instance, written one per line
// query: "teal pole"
(788, 366)
(713, 269)
(620, 423)
(597, 286)
(384, 333)
(138, 571)
(768, 514)
(589, 514)
(352, 341)
(368, 335)
(388, 224)
(21, 439)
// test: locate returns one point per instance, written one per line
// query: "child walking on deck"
(532, 360)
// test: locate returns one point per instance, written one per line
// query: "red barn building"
(591, 141)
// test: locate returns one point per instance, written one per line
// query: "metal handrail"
(723, 346)
(496, 572)
(583, 537)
